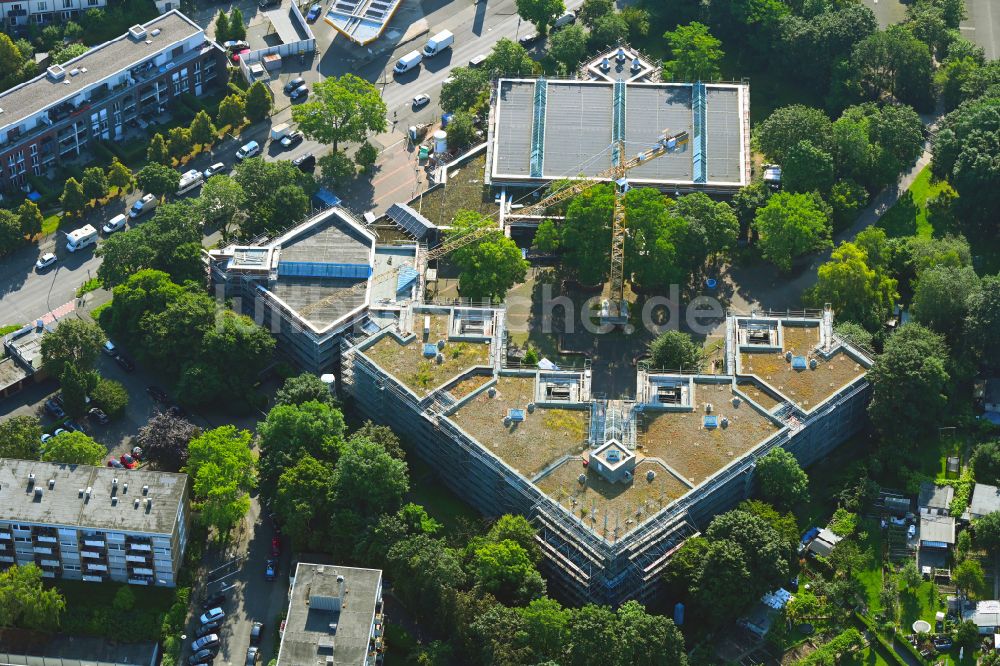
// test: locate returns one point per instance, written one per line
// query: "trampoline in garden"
(921, 627)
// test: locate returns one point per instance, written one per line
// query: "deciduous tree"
(942, 298)
(203, 131)
(19, 437)
(381, 435)
(94, 183)
(221, 466)
(696, 54)
(540, 12)
(292, 431)
(74, 386)
(789, 125)
(304, 388)
(344, 108)
(586, 234)
(807, 168)
(568, 46)
(791, 225)
(509, 58)
(29, 218)
(490, 266)
(158, 180)
(466, 90)
(76, 341)
(857, 291)
(505, 570)
(157, 151)
(258, 102)
(179, 142)
(676, 350)
(25, 601)
(782, 481)
(164, 441)
(969, 578)
(120, 176)
(304, 501)
(73, 448)
(368, 480)
(220, 201)
(110, 396)
(73, 199)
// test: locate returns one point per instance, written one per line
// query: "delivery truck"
(408, 62)
(438, 43)
(279, 131)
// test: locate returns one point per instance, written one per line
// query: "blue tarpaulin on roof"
(407, 276)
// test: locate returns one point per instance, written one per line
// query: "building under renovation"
(614, 487)
(541, 130)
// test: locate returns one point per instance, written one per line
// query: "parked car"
(109, 348)
(253, 656)
(117, 223)
(289, 141)
(46, 437)
(157, 394)
(212, 615)
(564, 20)
(256, 633)
(205, 642)
(239, 54)
(60, 431)
(528, 39)
(73, 426)
(314, 12)
(54, 408)
(275, 546)
(305, 163)
(297, 82)
(45, 261)
(235, 45)
(125, 362)
(97, 414)
(478, 60)
(267, 4)
(202, 656)
(421, 100)
(115, 463)
(269, 570)
(206, 629)
(250, 149)
(218, 167)
(301, 91)
(213, 602)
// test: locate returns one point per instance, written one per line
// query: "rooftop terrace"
(544, 436)
(806, 387)
(407, 362)
(693, 448)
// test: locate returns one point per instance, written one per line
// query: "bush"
(110, 396)
(844, 523)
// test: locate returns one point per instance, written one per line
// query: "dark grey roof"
(985, 499)
(933, 496)
(311, 634)
(63, 505)
(410, 220)
(96, 65)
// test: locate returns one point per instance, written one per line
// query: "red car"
(275, 546)
(236, 56)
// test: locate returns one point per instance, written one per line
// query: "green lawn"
(51, 223)
(88, 286)
(908, 217)
(90, 609)
(10, 328)
(427, 490)
(868, 657)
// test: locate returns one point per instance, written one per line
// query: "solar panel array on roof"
(325, 270)
(410, 220)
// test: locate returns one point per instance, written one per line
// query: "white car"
(421, 100)
(212, 615)
(45, 261)
(117, 223)
(250, 149)
(218, 167)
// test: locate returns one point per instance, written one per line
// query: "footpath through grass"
(908, 216)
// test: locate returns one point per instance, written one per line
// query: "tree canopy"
(467, 89)
(857, 290)
(164, 441)
(791, 225)
(25, 601)
(696, 54)
(489, 266)
(74, 448)
(676, 350)
(158, 180)
(782, 481)
(540, 12)
(19, 437)
(304, 388)
(76, 341)
(292, 431)
(789, 125)
(221, 467)
(340, 109)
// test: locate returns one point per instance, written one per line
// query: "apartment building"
(21, 13)
(334, 617)
(93, 523)
(97, 95)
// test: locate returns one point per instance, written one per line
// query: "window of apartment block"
(92, 3)
(42, 6)
(67, 4)
(178, 50)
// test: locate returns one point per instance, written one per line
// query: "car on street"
(289, 141)
(250, 149)
(293, 84)
(275, 546)
(212, 615)
(421, 100)
(235, 45)
(109, 348)
(253, 655)
(267, 4)
(206, 629)
(314, 12)
(205, 642)
(218, 167)
(73, 426)
(53, 407)
(305, 163)
(256, 633)
(202, 656)
(127, 364)
(528, 39)
(478, 60)
(213, 602)
(239, 54)
(142, 206)
(269, 570)
(157, 394)
(117, 223)
(301, 91)
(97, 414)
(45, 261)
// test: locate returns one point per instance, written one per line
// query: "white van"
(117, 223)
(190, 180)
(438, 43)
(81, 238)
(408, 62)
(144, 205)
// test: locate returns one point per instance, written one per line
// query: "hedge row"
(888, 650)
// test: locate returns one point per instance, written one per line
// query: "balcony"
(39, 550)
(92, 555)
(144, 547)
(45, 538)
(94, 543)
(140, 559)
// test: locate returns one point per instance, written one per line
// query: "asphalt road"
(983, 26)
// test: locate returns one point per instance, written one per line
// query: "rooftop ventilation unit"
(155, 32)
(56, 73)
(711, 422)
(114, 501)
(798, 363)
(38, 493)
(52, 484)
(137, 32)
(516, 415)
(74, 71)
(135, 505)
(145, 490)
(613, 455)
(324, 602)
(31, 479)
(114, 482)
(430, 350)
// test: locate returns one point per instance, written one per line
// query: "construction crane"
(614, 310)
(612, 313)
